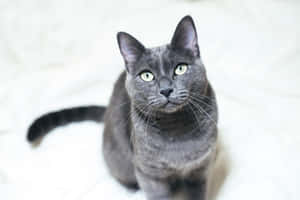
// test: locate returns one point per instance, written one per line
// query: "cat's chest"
(165, 157)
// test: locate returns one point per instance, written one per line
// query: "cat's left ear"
(130, 48)
(185, 37)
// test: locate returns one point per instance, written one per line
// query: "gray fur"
(162, 147)
(159, 135)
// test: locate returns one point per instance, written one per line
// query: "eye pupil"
(181, 69)
(147, 76)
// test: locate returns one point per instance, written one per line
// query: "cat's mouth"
(171, 106)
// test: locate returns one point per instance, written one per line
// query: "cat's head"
(166, 77)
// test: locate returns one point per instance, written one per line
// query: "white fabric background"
(62, 53)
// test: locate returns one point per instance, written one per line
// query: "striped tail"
(50, 121)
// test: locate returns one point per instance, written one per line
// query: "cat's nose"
(166, 92)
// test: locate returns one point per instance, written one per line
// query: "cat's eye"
(147, 76)
(181, 69)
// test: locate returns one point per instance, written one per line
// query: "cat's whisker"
(195, 116)
(182, 92)
(202, 96)
(202, 101)
(203, 111)
(152, 98)
(148, 117)
(132, 116)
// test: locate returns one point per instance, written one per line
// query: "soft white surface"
(62, 53)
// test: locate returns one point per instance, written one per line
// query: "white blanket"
(62, 53)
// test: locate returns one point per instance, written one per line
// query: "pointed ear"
(130, 48)
(185, 37)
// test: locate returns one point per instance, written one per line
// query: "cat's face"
(166, 77)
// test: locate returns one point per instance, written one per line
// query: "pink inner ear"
(186, 37)
(191, 38)
(130, 48)
(189, 42)
(129, 54)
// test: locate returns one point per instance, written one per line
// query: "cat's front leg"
(196, 189)
(155, 188)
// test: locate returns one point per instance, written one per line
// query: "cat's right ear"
(130, 48)
(185, 37)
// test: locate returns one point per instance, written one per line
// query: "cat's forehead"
(165, 53)
(158, 52)
(159, 55)
(163, 56)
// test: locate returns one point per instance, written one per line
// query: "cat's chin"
(171, 107)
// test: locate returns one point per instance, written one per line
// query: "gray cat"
(160, 126)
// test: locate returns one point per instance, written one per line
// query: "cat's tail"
(50, 121)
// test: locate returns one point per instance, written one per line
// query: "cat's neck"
(180, 124)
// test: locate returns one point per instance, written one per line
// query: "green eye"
(147, 76)
(181, 69)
